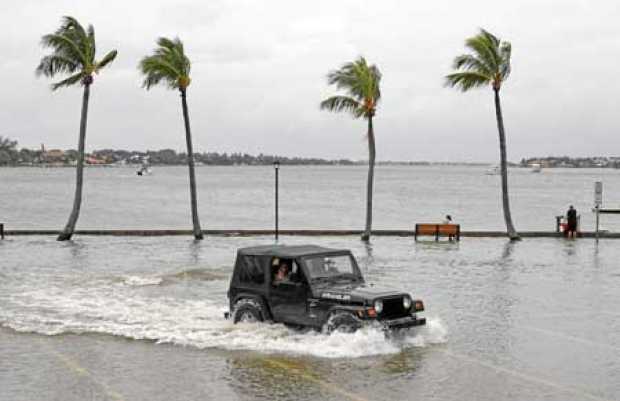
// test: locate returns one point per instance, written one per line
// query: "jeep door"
(288, 298)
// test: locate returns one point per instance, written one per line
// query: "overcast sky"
(258, 75)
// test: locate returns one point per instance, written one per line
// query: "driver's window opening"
(285, 271)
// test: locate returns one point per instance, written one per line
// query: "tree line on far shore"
(10, 155)
(358, 86)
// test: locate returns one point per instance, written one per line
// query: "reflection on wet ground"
(142, 319)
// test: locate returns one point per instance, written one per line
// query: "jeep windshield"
(332, 268)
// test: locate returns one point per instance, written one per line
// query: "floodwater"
(114, 318)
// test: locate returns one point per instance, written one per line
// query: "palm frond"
(84, 39)
(168, 64)
(505, 51)
(342, 103)
(92, 46)
(480, 46)
(73, 50)
(467, 80)
(68, 23)
(107, 59)
(55, 64)
(72, 80)
(375, 76)
(469, 62)
(156, 69)
(65, 46)
(361, 82)
(488, 63)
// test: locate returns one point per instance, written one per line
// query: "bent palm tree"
(73, 52)
(361, 82)
(487, 64)
(170, 65)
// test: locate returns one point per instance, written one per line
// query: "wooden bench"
(438, 230)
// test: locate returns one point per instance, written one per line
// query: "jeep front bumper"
(403, 322)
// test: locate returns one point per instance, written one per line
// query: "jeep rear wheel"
(342, 321)
(247, 311)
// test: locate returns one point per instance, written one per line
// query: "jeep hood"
(353, 292)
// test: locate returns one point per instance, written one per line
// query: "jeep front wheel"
(342, 321)
(247, 311)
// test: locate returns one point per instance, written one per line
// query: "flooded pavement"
(142, 319)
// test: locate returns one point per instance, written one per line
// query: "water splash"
(195, 323)
(139, 281)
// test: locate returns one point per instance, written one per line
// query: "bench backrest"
(433, 229)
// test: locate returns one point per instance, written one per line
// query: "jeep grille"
(393, 308)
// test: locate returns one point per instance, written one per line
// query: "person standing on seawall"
(571, 222)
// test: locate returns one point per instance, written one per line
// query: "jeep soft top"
(289, 251)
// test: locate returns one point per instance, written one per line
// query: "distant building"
(94, 160)
(53, 156)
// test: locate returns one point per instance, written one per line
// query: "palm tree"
(360, 82)
(170, 65)
(73, 52)
(487, 64)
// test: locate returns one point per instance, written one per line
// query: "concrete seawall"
(245, 233)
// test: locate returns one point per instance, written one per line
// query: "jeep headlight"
(406, 302)
(379, 305)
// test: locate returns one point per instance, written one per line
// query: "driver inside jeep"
(282, 273)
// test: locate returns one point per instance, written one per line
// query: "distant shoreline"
(361, 163)
(335, 164)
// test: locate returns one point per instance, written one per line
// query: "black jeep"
(316, 287)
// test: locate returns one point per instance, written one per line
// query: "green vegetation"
(361, 83)
(8, 152)
(576, 162)
(10, 156)
(487, 64)
(170, 65)
(73, 52)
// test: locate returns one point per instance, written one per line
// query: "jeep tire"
(248, 311)
(342, 321)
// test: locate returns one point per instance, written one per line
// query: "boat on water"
(535, 168)
(145, 167)
(144, 170)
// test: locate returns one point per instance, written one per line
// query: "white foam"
(196, 323)
(139, 281)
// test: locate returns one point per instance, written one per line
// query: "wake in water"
(173, 278)
(118, 307)
(200, 324)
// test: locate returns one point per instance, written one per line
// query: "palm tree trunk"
(512, 233)
(77, 200)
(190, 164)
(371, 176)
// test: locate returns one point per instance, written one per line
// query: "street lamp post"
(276, 166)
